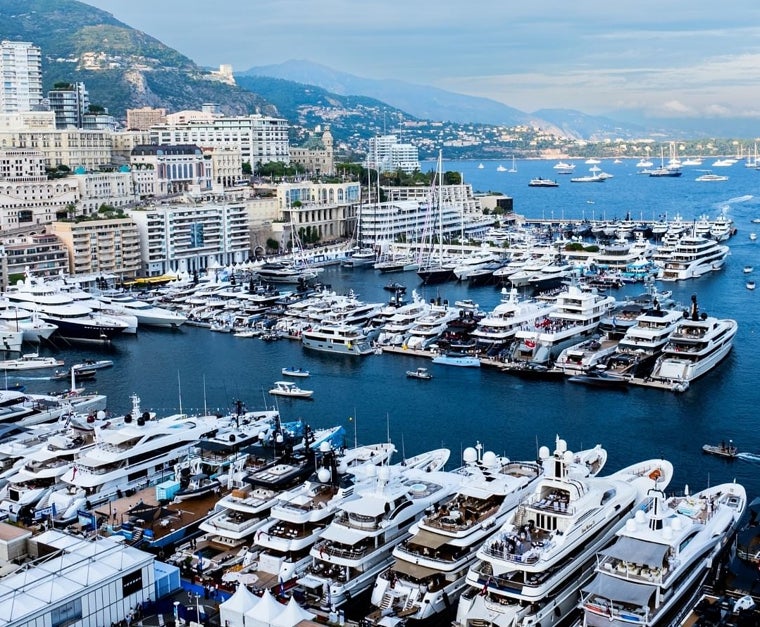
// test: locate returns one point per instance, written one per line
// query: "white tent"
(233, 610)
(264, 613)
(292, 615)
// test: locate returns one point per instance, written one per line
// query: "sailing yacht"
(530, 572)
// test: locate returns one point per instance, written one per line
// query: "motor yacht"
(339, 339)
(692, 257)
(698, 343)
(146, 313)
(31, 409)
(532, 569)
(661, 557)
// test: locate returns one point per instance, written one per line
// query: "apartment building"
(21, 72)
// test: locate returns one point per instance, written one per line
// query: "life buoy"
(530, 344)
(655, 474)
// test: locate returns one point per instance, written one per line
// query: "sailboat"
(481, 166)
(663, 171)
(435, 270)
(513, 168)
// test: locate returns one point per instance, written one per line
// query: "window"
(66, 614)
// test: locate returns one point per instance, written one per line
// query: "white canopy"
(265, 611)
(292, 615)
(234, 608)
(619, 590)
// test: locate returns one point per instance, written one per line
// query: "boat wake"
(749, 457)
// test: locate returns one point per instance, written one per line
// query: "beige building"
(224, 166)
(44, 255)
(142, 119)
(101, 246)
(123, 144)
(316, 155)
(115, 189)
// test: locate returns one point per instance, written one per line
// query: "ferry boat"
(661, 557)
(531, 571)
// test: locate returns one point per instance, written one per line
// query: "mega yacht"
(429, 327)
(287, 273)
(146, 314)
(643, 342)
(698, 344)
(575, 318)
(530, 572)
(31, 409)
(357, 544)
(692, 257)
(661, 557)
(430, 566)
(337, 338)
(31, 326)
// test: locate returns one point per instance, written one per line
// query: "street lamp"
(176, 612)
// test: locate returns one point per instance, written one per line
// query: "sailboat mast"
(440, 205)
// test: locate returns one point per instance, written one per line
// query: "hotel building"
(21, 74)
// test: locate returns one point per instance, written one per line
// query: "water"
(200, 369)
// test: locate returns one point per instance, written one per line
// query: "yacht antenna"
(356, 441)
(179, 389)
(205, 407)
(388, 426)
(403, 447)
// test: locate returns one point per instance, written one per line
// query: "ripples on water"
(462, 405)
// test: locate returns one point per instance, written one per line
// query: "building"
(70, 580)
(27, 197)
(316, 155)
(178, 167)
(21, 73)
(260, 138)
(69, 102)
(187, 237)
(110, 189)
(142, 119)
(101, 246)
(388, 155)
(43, 254)
(224, 167)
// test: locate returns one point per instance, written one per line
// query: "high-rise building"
(387, 154)
(20, 76)
(70, 102)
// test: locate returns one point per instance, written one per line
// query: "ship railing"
(328, 548)
(632, 571)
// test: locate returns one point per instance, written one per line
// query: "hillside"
(122, 67)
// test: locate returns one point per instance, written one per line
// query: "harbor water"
(196, 370)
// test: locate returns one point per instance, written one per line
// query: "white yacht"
(429, 327)
(397, 325)
(33, 328)
(585, 356)
(429, 571)
(643, 342)
(575, 318)
(564, 168)
(275, 272)
(31, 409)
(692, 257)
(697, 345)
(530, 572)
(661, 557)
(147, 314)
(357, 544)
(339, 339)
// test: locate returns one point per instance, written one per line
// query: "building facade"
(387, 154)
(20, 76)
(317, 154)
(101, 246)
(142, 119)
(260, 138)
(178, 167)
(69, 102)
(44, 255)
(188, 237)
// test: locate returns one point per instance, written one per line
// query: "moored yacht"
(692, 257)
(697, 345)
(530, 572)
(340, 339)
(146, 314)
(661, 557)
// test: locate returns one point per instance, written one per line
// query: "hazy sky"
(664, 57)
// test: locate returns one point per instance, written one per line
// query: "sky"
(662, 58)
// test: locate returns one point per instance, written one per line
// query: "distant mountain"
(121, 67)
(420, 101)
(589, 127)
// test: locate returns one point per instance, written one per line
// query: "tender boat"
(750, 285)
(542, 182)
(420, 373)
(288, 388)
(395, 286)
(722, 449)
(90, 364)
(198, 485)
(30, 361)
(748, 269)
(295, 372)
(601, 379)
(456, 359)
(80, 374)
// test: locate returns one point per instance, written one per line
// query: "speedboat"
(662, 556)
(750, 285)
(93, 364)
(601, 379)
(530, 572)
(30, 361)
(288, 388)
(748, 269)
(295, 372)
(420, 373)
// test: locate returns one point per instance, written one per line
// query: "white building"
(178, 167)
(192, 237)
(20, 76)
(69, 102)
(76, 581)
(388, 155)
(260, 138)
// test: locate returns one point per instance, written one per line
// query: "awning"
(428, 539)
(621, 591)
(413, 570)
(343, 535)
(638, 552)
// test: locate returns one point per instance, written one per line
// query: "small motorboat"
(80, 374)
(91, 364)
(288, 388)
(295, 372)
(601, 379)
(420, 373)
(722, 449)
(753, 236)
(198, 485)
(750, 285)
(748, 269)
(30, 361)
(395, 286)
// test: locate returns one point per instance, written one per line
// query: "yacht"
(692, 257)
(24, 409)
(276, 272)
(358, 543)
(575, 317)
(661, 557)
(542, 182)
(33, 328)
(709, 177)
(530, 572)
(564, 168)
(147, 314)
(340, 339)
(644, 341)
(472, 263)
(697, 345)
(585, 356)
(429, 327)
(430, 567)
(360, 258)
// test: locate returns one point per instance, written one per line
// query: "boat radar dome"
(101, 414)
(568, 457)
(489, 459)
(324, 447)
(323, 474)
(561, 446)
(470, 455)
(543, 452)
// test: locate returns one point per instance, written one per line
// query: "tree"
(247, 168)
(273, 244)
